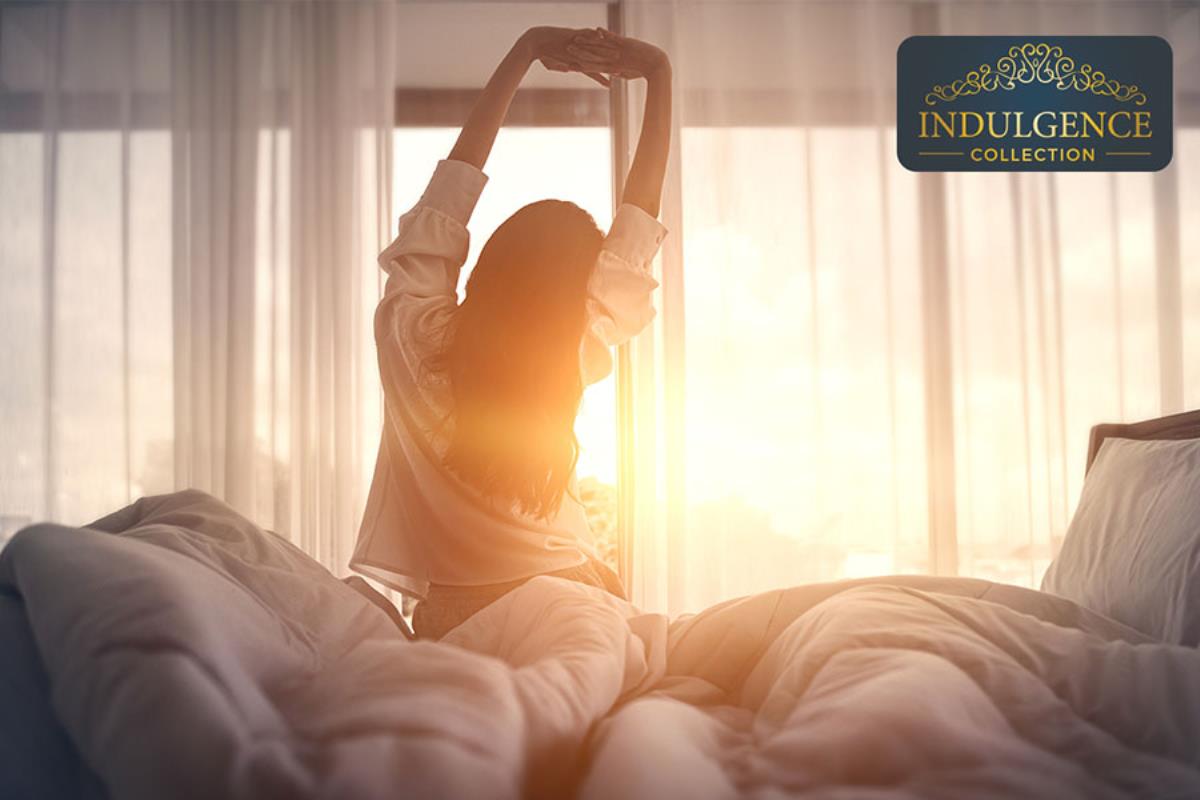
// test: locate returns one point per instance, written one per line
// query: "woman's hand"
(622, 56)
(595, 52)
(570, 50)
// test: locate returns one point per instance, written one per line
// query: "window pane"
(102, 379)
(804, 398)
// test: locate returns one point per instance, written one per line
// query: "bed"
(174, 649)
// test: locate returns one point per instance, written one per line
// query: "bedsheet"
(190, 654)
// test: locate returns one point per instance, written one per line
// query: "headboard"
(1176, 426)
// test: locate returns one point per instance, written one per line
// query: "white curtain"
(860, 370)
(855, 369)
(191, 199)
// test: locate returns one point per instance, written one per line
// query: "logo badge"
(1034, 103)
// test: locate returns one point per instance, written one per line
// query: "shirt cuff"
(635, 236)
(454, 189)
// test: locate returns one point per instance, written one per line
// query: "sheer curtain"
(191, 199)
(855, 369)
(859, 370)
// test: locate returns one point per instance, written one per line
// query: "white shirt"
(423, 524)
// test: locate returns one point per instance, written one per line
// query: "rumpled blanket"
(190, 654)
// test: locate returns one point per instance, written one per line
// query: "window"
(790, 379)
(805, 454)
(97, 328)
(804, 392)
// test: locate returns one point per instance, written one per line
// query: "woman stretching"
(474, 490)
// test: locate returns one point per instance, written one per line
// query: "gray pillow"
(1132, 551)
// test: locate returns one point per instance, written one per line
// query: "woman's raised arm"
(558, 49)
(638, 59)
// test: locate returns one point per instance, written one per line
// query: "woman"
(474, 489)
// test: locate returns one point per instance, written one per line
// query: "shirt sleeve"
(422, 265)
(620, 303)
(431, 246)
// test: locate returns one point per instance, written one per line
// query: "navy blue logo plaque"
(1034, 103)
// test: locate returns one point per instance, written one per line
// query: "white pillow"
(1132, 551)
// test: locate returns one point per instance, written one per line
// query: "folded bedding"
(187, 653)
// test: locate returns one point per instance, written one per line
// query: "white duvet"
(193, 655)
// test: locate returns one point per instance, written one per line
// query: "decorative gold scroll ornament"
(1041, 63)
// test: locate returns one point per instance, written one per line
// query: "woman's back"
(425, 523)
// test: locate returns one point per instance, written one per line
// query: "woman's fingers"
(554, 65)
(586, 51)
(589, 57)
(592, 43)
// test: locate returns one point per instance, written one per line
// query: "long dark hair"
(511, 355)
